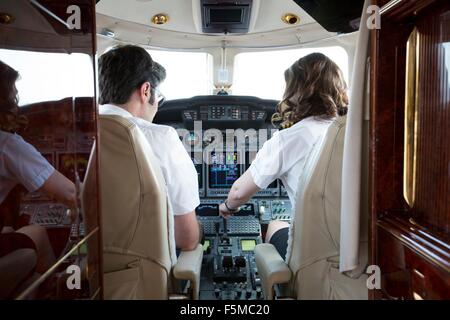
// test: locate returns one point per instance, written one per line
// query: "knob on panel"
(262, 210)
(240, 262)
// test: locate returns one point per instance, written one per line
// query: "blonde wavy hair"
(315, 86)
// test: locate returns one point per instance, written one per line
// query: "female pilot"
(316, 93)
(22, 164)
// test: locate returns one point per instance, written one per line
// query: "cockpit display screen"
(206, 245)
(68, 162)
(224, 170)
(207, 210)
(246, 210)
(197, 159)
(248, 245)
(199, 168)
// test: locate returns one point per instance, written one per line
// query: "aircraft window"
(189, 74)
(50, 76)
(261, 74)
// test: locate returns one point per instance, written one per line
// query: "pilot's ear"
(146, 89)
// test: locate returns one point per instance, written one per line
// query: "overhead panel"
(225, 16)
(334, 16)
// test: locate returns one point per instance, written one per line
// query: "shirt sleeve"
(279, 154)
(181, 177)
(268, 164)
(25, 164)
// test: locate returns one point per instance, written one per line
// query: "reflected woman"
(316, 93)
(22, 164)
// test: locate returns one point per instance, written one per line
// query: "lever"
(225, 225)
(262, 210)
(217, 227)
(227, 262)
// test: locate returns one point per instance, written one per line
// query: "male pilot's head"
(128, 77)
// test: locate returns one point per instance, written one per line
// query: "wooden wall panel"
(432, 204)
(411, 244)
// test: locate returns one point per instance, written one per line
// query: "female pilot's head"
(315, 86)
(9, 111)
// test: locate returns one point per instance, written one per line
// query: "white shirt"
(176, 164)
(21, 163)
(282, 156)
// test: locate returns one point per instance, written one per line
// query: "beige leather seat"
(311, 270)
(139, 259)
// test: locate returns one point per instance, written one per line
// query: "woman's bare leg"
(7, 230)
(273, 227)
(45, 254)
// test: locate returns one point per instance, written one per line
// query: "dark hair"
(10, 120)
(315, 86)
(124, 69)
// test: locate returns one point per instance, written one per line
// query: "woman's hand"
(241, 192)
(224, 212)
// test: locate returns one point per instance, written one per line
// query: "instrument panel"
(47, 214)
(229, 269)
(224, 113)
(206, 128)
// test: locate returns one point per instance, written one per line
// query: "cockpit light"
(290, 18)
(6, 18)
(160, 18)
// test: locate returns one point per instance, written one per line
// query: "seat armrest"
(188, 268)
(271, 268)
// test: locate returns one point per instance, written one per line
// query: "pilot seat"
(311, 269)
(139, 257)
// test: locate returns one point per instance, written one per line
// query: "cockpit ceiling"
(35, 28)
(131, 21)
(185, 15)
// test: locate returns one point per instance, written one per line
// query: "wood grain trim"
(401, 9)
(418, 239)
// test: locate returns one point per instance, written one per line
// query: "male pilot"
(128, 81)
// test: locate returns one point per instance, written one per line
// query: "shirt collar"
(110, 109)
